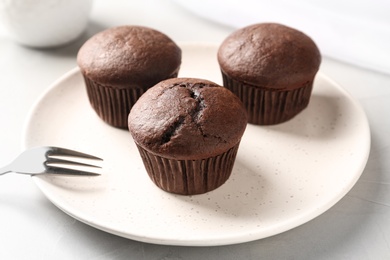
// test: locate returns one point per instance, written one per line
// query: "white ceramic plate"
(284, 175)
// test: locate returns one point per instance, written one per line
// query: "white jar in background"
(45, 23)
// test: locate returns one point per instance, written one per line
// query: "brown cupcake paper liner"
(112, 105)
(189, 177)
(269, 107)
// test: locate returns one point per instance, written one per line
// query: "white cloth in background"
(357, 32)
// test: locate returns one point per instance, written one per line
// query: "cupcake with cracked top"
(271, 67)
(188, 132)
(119, 64)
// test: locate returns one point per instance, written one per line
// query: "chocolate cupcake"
(271, 67)
(188, 132)
(119, 64)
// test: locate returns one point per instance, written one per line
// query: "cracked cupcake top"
(187, 119)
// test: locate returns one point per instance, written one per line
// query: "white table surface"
(357, 227)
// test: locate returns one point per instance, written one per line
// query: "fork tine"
(63, 171)
(58, 151)
(68, 162)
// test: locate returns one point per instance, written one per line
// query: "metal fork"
(52, 160)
